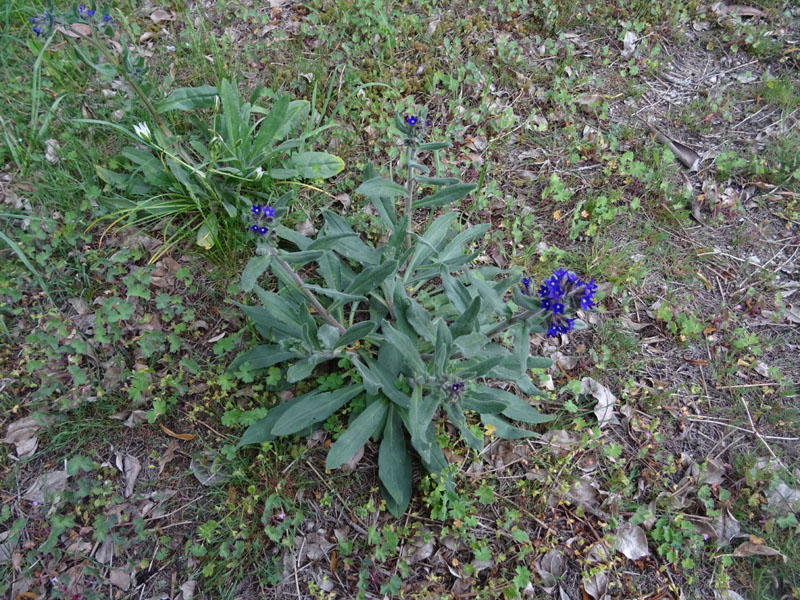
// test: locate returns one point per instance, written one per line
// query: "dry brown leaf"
(688, 157)
(169, 454)
(187, 589)
(783, 499)
(550, 567)
(180, 436)
(160, 16)
(632, 542)
(120, 579)
(606, 401)
(596, 585)
(750, 549)
(22, 434)
(105, 552)
(46, 486)
(590, 99)
(131, 468)
(725, 527)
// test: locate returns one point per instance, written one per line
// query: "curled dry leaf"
(46, 486)
(725, 527)
(606, 401)
(187, 589)
(783, 499)
(208, 470)
(709, 473)
(550, 567)
(632, 541)
(727, 595)
(306, 228)
(688, 157)
(22, 434)
(131, 467)
(120, 579)
(751, 549)
(160, 16)
(169, 454)
(51, 148)
(596, 585)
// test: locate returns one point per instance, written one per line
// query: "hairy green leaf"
(356, 434)
(317, 165)
(447, 195)
(255, 268)
(188, 98)
(394, 463)
(312, 408)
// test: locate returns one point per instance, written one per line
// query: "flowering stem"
(298, 281)
(409, 189)
(500, 327)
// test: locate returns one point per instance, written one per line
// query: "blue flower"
(411, 120)
(428, 123)
(90, 12)
(81, 9)
(256, 210)
(254, 228)
(37, 31)
(268, 212)
(106, 17)
(526, 284)
(562, 294)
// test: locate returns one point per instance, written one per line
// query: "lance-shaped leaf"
(303, 368)
(482, 403)
(429, 242)
(270, 124)
(434, 145)
(356, 332)
(357, 434)
(457, 418)
(383, 204)
(394, 463)
(371, 277)
(408, 349)
(467, 322)
(516, 407)
(443, 348)
(420, 320)
(188, 98)
(383, 373)
(331, 240)
(261, 357)
(261, 431)
(455, 291)
(335, 294)
(436, 180)
(447, 195)
(313, 408)
(350, 247)
(371, 380)
(456, 246)
(271, 324)
(255, 268)
(378, 187)
(504, 429)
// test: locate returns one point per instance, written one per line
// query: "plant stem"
(500, 327)
(306, 292)
(410, 155)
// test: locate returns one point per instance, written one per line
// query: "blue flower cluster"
(560, 296)
(40, 22)
(412, 120)
(44, 22)
(262, 214)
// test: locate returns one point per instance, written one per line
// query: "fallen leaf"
(750, 549)
(631, 541)
(187, 589)
(160, 16)
(550, 567)
(305, 228)
(725, 527)
(169, 454)
(208, 470)
(629, 44)
(21, 433)
(736, 10)
(709, 473)
(351, 464)
(596, 585)
(783, 499)
(120, 579)
(606, 401)
(727, 595)
(688, 157)
(179, 436)
(82, 29)
(131, 467)
(51, 148)
(47, 486)
(105, 552)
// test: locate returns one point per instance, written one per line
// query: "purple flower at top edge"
(411, 120)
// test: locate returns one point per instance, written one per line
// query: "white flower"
(143, 131)
(258, 173)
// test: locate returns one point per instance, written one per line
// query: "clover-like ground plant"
(429, 335)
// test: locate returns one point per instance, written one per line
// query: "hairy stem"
(410, 155)
(298, 281)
